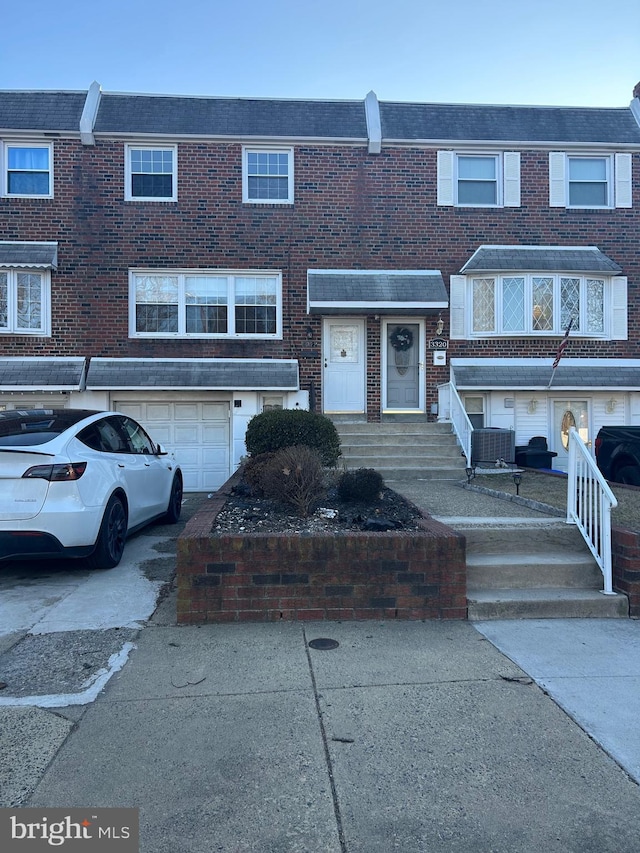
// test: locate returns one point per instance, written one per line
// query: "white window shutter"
(445, 177)
(511, 178)
(619, 308)
(623, 180)
(557, 186)
(457, 307)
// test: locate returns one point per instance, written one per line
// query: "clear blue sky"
(573, 52)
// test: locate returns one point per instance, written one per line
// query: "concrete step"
(402, 451)
(412, 472)
(544, 604)
(528, 571)
(391, 439)
(506, 536)
(356, 457)
(541, 570)
(395, 428)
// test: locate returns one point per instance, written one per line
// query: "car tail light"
(57, 473)
(598, 445)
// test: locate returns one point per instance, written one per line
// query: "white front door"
(403, 378)
(344, 366)
(567, 414)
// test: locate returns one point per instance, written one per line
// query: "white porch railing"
(589, 505)
(451, 408)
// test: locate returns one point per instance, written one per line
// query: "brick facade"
(352, 210)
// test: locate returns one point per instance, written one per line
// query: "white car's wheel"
(112, 536)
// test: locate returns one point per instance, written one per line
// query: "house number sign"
(438, 343)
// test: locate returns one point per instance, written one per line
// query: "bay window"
(537, 304)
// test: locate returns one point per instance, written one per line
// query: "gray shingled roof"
(338, 291)
(235, 117)
(41, 255)
(317, 119)
(213, 373)
(52, 111)
(480, 123)
(47, 374)
(546, 258)
(536, 377)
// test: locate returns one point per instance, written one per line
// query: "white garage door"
(197, 432)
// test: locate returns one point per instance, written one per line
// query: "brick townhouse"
(193, 260)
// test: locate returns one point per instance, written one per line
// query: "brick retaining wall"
(625, 564)
(346, 575)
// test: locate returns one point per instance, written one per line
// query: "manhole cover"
(323, 643)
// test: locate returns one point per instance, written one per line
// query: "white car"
(76, 483)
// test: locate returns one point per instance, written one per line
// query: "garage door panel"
(190, 456)
(215, 411)
(187, 434)
(189, 411)
(214, 434)
(197, 432)
(158, 412)
(161, 434)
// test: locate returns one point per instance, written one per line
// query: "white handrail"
(451, 408)
(589, 505)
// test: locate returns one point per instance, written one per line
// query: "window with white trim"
(267, 175)
(27, 170)
(25, 298)
(538, 304)
(151, 173)
(590, 180)
(205, 304)
(479, 180)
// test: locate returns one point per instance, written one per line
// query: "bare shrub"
(295, 476)
(253, 471)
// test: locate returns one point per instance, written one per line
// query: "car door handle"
(120, 465)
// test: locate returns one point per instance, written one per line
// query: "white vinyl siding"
(478, 180)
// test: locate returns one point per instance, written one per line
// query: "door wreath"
(401, 339)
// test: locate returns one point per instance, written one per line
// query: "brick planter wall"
(625, 564)
(267, 577)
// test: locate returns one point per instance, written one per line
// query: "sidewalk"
(428, 737)
(412, 737)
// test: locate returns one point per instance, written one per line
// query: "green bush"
(295, 476)
(363, 484)
(278, 428)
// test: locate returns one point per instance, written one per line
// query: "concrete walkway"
(435, 737)
(412, 737)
